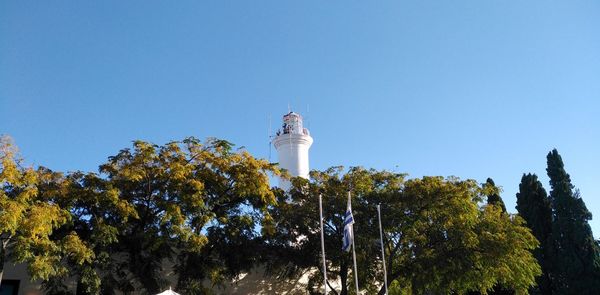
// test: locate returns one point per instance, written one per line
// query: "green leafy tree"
(445, 243)
(28, 220)
(437, 238)
(577, 259)
(197, 205)
(535, 208)
(189, 208)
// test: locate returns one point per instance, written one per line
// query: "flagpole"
(353, 250)
(382, 251)
(323, 245)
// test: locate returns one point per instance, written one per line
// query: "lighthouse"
(292, 143)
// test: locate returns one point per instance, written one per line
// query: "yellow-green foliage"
(171, 198)
(211, 211)
(28, 219)
(451, 243)
(441, 238)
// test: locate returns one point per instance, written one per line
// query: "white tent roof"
(168, 292)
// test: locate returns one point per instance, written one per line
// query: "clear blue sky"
(474, 89)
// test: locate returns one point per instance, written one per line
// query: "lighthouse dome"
(292, 124)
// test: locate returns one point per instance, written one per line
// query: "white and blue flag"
(348, 228)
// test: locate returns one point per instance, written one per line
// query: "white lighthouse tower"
(292, 143)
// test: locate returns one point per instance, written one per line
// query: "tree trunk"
(344, 278)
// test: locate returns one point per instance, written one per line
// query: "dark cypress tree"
(534, 206)
(493, 195)
(577, 261)
(493, 198)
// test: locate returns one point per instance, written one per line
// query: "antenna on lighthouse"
(290, 133)
(270, 136)
(307, 118)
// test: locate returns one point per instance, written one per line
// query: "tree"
(535, 208)
(437, 238)
(28, 220)
(493, 194)
(448, 244)
(577, 258)
(198, 205)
